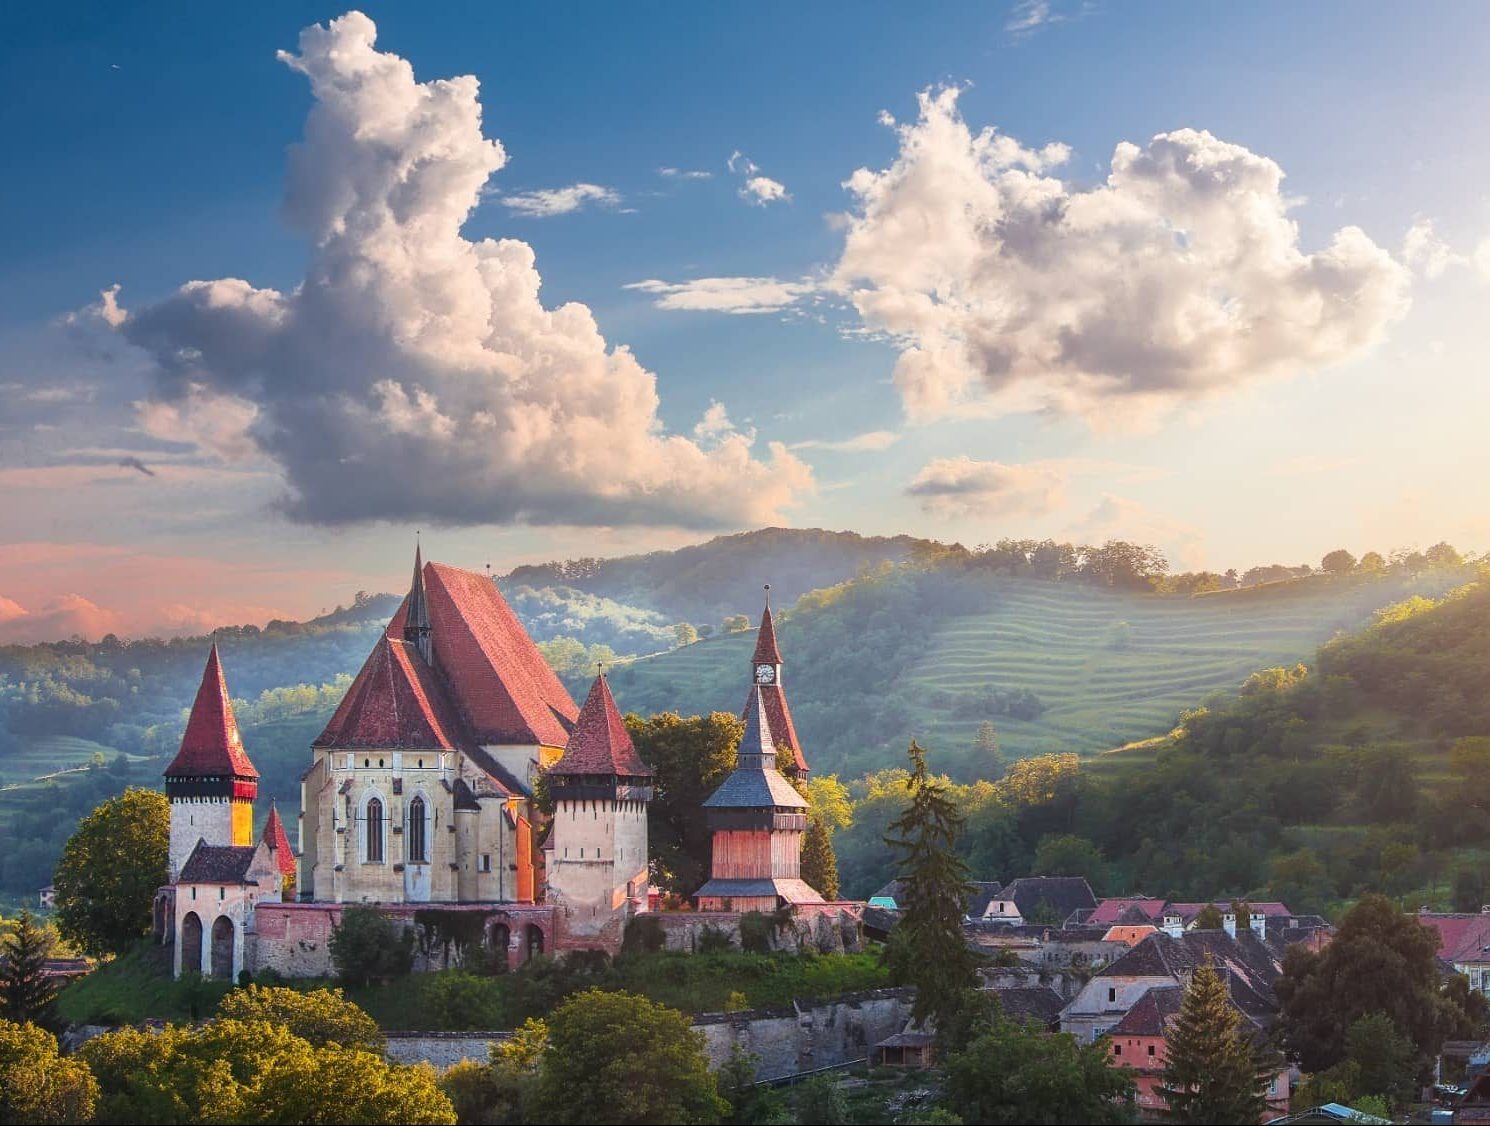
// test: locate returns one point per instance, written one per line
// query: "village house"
(1464, 944)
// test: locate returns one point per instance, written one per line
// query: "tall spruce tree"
(927, 948)
(819, 864)
(26, 993)
(1213, 1072)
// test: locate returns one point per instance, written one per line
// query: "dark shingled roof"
(1151, 1013)
(1032, 1002)
(1063, 894)
(211, 746)
(217, 864)
(1249, 965)
(755, 783)
(600, 744)
(793, 891)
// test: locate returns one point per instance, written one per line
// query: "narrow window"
(374, 831)
(1111, 995)
(486, 862)
(417, 854)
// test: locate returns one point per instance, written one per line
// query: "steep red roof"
(1111, 911)
(211, 747)
(395, 701)
(600, 743)
(766, 652)
(1463, 937)
(279, 842)
(494, 676)
(779, 719)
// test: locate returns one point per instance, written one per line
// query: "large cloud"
(963, 486)
(417, 374)
(1179, 275)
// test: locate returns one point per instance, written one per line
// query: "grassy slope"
(1056, 640)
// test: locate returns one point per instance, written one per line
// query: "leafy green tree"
(500, 1090)
(37, 1085)
(990, 758)
(1066, 854)
(1243, 912)
(1209, 919)
(822, 1102)
(110, 870)
(26, 993)
(927, 948)
(684, 634)
(1213, 1073)
(819, 864)
(1019, 1074)
(1384, 1060)
(689, 758)
(368, 946)
(620, 1057)
(320, 1017)
(333, 1084)
(1380, 961)
(1338, 562)
(750, 1103)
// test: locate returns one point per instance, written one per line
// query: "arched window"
(418, 853)
(374, 831)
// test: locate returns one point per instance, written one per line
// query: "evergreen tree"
(26, 993)
(927, 948)
(819, 864)
(1213, 1073)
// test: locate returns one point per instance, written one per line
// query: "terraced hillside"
(1101, 668)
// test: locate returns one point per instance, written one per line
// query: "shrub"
(644, 935)
(369, 946)
(714, 940)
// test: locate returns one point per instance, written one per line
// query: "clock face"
(765, 674)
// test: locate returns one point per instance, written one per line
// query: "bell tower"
(211, 783)
(765, 678)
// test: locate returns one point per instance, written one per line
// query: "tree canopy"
(110, 870)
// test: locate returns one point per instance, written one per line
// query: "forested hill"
(706, 582)
(935, 650)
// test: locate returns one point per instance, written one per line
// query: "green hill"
(1054, 666)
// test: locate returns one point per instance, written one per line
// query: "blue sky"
(150, 151)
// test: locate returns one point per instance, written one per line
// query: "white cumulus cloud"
(415, 373)
(1178, 276)
(725, 295)
(964, 486)
(756, 187)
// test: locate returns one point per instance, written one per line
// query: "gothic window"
(374, 831)
(417, 837)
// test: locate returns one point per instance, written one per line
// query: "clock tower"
(765, 679)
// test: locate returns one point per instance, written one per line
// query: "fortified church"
(420, 799)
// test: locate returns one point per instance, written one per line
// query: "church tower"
(757, 818)
(765, 672)
(211, 783)
(598, 849)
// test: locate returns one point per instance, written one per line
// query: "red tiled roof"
(766, 652)
(395, 701)
(494, 675)
(600, 743)
(1188, 911)
(1463, 937)
(211, 747)
(779, 720)
(279, 842)
(1111, 911)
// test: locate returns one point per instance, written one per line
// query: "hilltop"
(933, 652)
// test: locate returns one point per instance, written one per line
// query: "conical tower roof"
(212, 747)
(600, 744)
(766, 652)
(279, 842)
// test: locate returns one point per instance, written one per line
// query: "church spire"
(766, 652)
(416, 624)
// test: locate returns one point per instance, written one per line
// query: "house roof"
(1130, 933)
(1188, 911)
(500, 685)
(396, 701)
(211, 746)
(755, 783)
(600, 743)
(279, 842)
(1034, 1002)
(1151, 1013)
(1462, 937)
(218, 864)
(1063, 894)
(766, 652)
(1127, 909)
(1249, 965)
(779, 721)
(791, 890)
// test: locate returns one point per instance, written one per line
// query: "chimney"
(1259, 924)
(1173, 926)
(1228, 923)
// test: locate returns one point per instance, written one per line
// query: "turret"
(211, 783)
(416, 626)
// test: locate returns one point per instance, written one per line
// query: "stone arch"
(191, 943)
(223, 933)
(500, 942)
(533, 940)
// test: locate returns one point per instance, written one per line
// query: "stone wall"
(443, 1049)
(832, 928)
(804, 1037)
